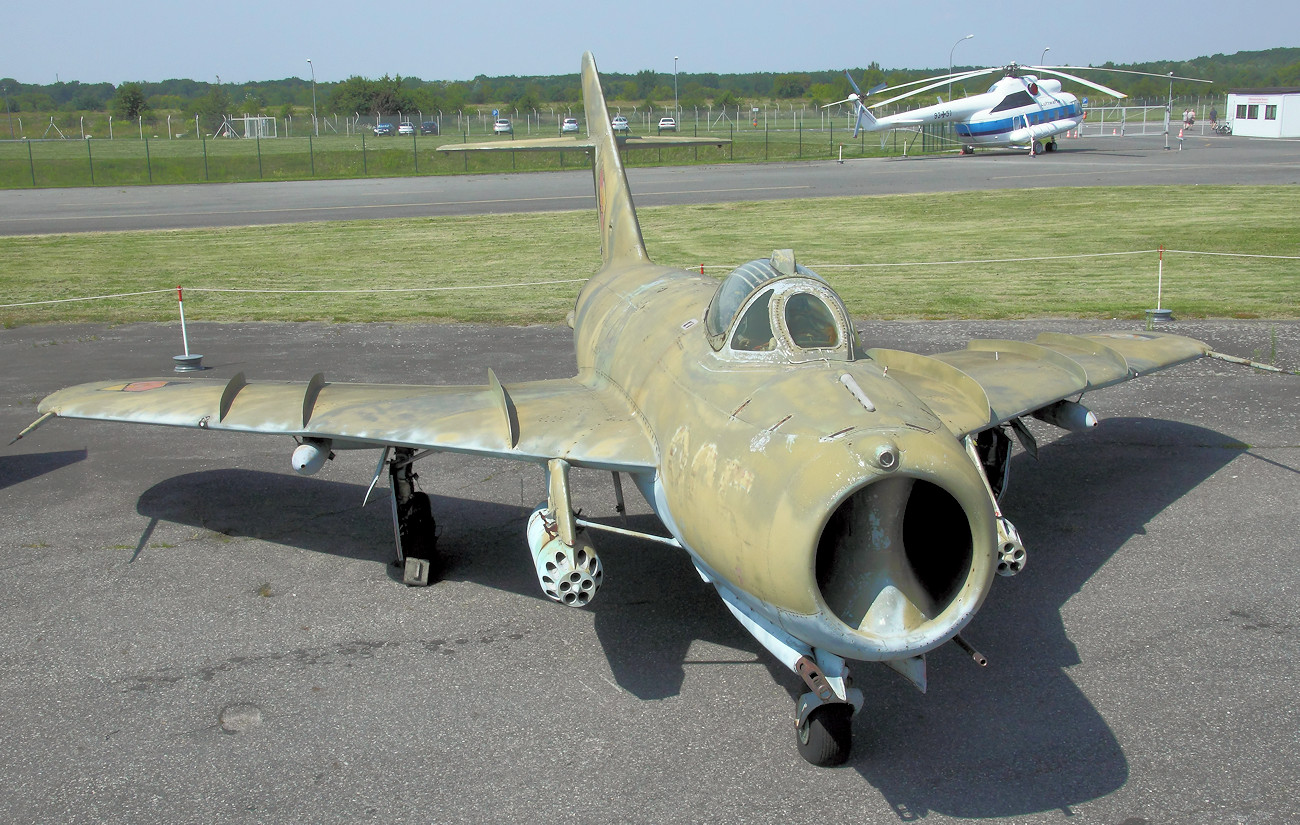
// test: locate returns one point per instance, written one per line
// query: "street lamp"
(675, 88)
(1044, 57)
(315, 122)
(950, 51)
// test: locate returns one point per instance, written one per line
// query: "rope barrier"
(297, 291)
(702, 267)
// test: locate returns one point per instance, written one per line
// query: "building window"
(1241, 110)
(1252, 113)
(1270, 113)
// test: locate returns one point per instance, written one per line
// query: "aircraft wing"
(581, 421)
(993, 381)
(551, 144)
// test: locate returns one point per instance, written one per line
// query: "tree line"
(391, 94)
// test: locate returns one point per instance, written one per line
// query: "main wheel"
(826, 737)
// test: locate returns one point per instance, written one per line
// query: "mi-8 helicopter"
(1019, 110)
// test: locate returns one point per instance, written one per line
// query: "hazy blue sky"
(437, 40)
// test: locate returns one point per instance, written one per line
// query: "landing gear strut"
(413, 523)
(824, 715)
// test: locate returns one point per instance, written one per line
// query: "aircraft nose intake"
(899, 563)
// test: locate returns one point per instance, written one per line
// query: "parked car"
(619, 124)
(570, 124)
(385, 129)
(406, 129)
(503, 127)
(429, 127)
(667, 124)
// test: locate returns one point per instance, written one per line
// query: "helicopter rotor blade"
(850, 99)
(1078, 79)
(856, 90)
(946, 79)
(943, 77)
(1125, 71)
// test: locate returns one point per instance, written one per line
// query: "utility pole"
(315, 122)
(950, 51)
(9, 112)
(675, 112)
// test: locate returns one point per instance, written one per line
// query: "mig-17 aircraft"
(843, 501)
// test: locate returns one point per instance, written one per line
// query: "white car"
(503, 127)
(406, 129)
(570, 124)
(667, 124)
(619, 124)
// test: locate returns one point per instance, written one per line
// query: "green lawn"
(96, 162)
(967, 255)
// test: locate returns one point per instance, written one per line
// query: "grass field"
(885, 255)
(52, 163)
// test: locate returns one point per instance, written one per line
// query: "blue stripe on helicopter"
(1010, 124)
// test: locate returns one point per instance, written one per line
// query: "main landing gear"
(413, 523)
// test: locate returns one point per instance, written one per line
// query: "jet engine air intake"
(892, 558)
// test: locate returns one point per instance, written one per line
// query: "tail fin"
(866, 120)
(620, 233)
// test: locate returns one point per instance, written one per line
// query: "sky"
(246, 40)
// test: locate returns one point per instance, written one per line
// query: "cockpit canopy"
(773, 305)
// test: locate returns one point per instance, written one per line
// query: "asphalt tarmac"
(1092, 161)
(190, 632)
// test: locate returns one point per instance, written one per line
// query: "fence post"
(312, 152)
(258, 138)
(31, 164)
(90, 162)
(148, 163)
(363, 150)
(415, 149)
(205, 155)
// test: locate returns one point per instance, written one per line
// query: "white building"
(1273, 113)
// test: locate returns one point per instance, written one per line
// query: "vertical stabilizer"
(620, 234)
(866, 120)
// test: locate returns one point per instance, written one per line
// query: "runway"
(1093, 161)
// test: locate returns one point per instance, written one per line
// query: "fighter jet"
(843, 501)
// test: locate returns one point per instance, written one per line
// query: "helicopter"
(1021, 109)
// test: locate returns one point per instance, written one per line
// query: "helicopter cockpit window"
(1014, 101)
(754, 330)
(811, 323)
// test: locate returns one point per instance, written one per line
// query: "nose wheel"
(825, 736)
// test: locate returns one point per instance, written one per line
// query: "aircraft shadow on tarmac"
(1013, 739)
(15, 469)
(1019, 737)
(647, 591)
